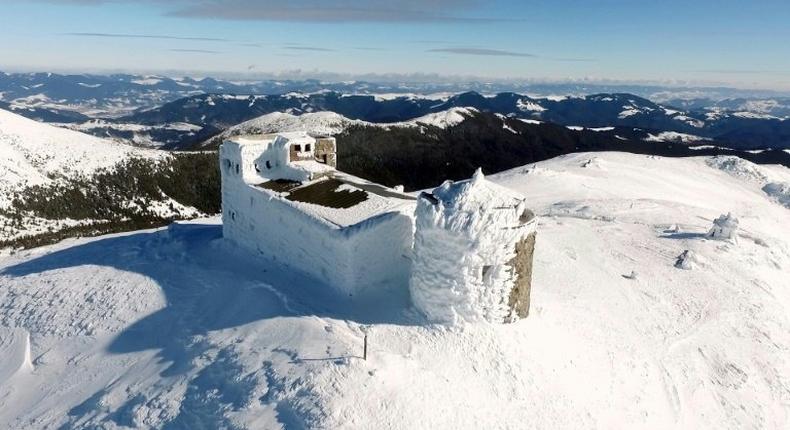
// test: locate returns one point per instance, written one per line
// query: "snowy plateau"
(178, 328)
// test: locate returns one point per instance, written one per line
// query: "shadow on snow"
(210, 284)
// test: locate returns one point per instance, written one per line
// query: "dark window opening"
(307, 147)
(268, 164)
(237, 168)
(298, 148)
(526, 216)
(257, 169)
(487, 274)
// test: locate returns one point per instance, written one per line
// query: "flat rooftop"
(243, 139)
(338, 198)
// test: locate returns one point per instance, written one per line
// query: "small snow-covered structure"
(283, 198)
(724, 227)
(473, 249)
(294, 156)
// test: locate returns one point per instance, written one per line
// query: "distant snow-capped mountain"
(330, 123)
(776, 107)
(161, 111)
(120, 94)
(210, 114)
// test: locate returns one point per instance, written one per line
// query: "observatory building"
(464, 250)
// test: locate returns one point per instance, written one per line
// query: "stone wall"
(326, 151)
(518, 301)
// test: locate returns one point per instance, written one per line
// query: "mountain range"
(209, 114)
(115, 94)
(179, 113)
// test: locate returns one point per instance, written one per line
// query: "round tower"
(473, 249)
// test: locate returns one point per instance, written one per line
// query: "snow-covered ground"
(178, 328)
(673, 136)
(34, 153)
(331, 123)
(324, 123)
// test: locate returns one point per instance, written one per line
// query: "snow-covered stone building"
(283, 198)
(464, 250)
(473, 249)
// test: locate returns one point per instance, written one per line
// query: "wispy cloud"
(145, 36)
(334, 11)
(195, 51)
(573, 60)
(307, 48)
(482, 52)
(319, 11)
(432, 42)
(487, 52)
(744, 72)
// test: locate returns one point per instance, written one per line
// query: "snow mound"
(687, 260)
(780, 191)
(14, 353)
(738, 167)
(774, 180)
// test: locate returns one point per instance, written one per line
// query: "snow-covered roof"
(258, 139)
(340, 199)
(475, 192)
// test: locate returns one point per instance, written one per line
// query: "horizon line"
(414, 78)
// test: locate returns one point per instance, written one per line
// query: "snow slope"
(177, 328)
(32, 152)
(673, 136)
(331, 123)
(443, 119)
(322, 123)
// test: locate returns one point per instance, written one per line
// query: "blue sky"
(742, 43)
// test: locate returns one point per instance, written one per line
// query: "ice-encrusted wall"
(351, 259)
(472, 256)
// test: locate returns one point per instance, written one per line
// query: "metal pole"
(365, 349)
